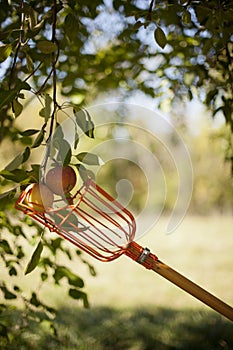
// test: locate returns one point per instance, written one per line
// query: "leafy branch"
(17, 171)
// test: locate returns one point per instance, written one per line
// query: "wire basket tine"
(94, 221)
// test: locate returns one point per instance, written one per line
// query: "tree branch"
(18, 45)
(38, 92)
(54, 77)
(54, 61)
(150, 10)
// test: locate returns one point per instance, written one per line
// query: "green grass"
(106, 328)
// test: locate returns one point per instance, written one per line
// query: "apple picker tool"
(99, 225)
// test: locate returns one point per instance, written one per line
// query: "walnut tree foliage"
(170, 50)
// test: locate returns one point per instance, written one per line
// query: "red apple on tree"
(61, 180)
(39, 197)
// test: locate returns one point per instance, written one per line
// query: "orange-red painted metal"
(92, 220)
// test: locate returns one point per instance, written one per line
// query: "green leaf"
(23, 86)
(42, 112)
(30, 13)
(70, 26)
(160, 37)
(48, 102)
(34, 300)
(64, 152)
(138, 25)
(29, 132)
(35, 172)
(7, 294)
(7, 200)
(17, 230)
(5, 51)
(80, 118)
(26, 154)
(77, 294)
(44, 276)
(84, 173)
(88, 158)
(17, 108)
(186, 17)
(74, 280)
(30, 65)
(56, 243)
(4, 246)
(58, 133)
(4, 330)
(63, 146)
(91, 267)
(227, 111)
(39, 139)
(46, 46)
(6, 97)
(190, 94)
(76, 139)
(9, 194)
(34, 261)
(13, 271)
(17, 175)
(18, 160)
(83, 119)
(17, 289)
(15, 162)
(20, 252)
(210, 97)
(46, 111)
(4, 35)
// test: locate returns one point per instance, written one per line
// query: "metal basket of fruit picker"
(98, 224)
(101, 227)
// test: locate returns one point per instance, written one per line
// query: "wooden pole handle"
(150, 261)
(193, 289)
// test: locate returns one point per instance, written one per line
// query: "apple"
(61, 180)
(39, 197)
